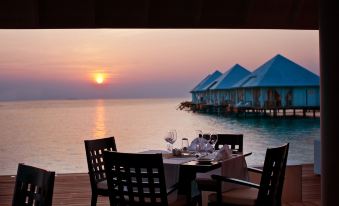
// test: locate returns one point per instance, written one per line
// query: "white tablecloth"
(235, 167)
(171, 166)
(171, 169)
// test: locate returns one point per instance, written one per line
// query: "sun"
(99, 78)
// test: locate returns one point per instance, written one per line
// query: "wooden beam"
(220, 14)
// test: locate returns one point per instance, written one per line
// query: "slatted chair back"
(95, 154)
(272, 179)
(33, 186)
(235, 141)
(135, 179)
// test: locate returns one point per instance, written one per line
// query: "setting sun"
(99, 78)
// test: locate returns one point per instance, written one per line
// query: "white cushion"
(102, 185)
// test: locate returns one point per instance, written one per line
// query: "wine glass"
(213, 140)
(206, 141)
(199, 142)
(170, 138)
(198, 133)
(199, 136)
(174, 135)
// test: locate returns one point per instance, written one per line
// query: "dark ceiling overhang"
(231, 14)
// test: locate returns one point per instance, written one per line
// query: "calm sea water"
(50, 134)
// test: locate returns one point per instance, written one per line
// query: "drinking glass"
(199, 136)
(184, 144)
(174, 135)
(170, 138)
(214, 140)
(199, 144)
(206, 141)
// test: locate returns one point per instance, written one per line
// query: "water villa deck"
(75, 190)
(279, 87)
(246, 111)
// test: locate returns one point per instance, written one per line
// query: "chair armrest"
(235, 181)
(247, 154)
(172, 188)
(252, 169)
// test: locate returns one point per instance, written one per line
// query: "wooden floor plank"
(74, 190)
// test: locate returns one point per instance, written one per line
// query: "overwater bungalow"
(277, 84)
(199, 95)
(220, 91)
(320, 16)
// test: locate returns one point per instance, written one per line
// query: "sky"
(136, 63)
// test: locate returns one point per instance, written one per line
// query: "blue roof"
(277, 72)
(206, 81)
(229, 78)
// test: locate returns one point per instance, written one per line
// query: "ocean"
(50, 134)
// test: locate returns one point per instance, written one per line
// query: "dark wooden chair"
(267, 193)
(94, 153)
(235, 141)
(137, 179)
(33, 186)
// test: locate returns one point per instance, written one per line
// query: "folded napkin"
(193, 144)
(224, 153)
(204, 144)
(234, 167)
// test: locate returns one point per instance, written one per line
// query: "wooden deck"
(253, 111)
(74, 190)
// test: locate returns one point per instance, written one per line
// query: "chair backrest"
(135, 179)
(33, 186)
(272, 179)
(235, 141)
(95, 153)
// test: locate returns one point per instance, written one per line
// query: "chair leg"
(94, 199)
(197, 200)
(212, 204)
(200, 199)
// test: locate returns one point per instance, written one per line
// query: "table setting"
(198, 159)
(201, 149)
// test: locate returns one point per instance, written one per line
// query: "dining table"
(187, 175)
(182, 171)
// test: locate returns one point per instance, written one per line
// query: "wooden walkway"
(74, 190)
(271, 111)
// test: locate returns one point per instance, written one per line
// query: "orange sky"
(52, 64)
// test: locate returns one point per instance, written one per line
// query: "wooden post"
(329, 78)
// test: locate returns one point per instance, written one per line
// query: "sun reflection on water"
(99, 121)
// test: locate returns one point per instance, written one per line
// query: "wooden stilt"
(275, 112)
